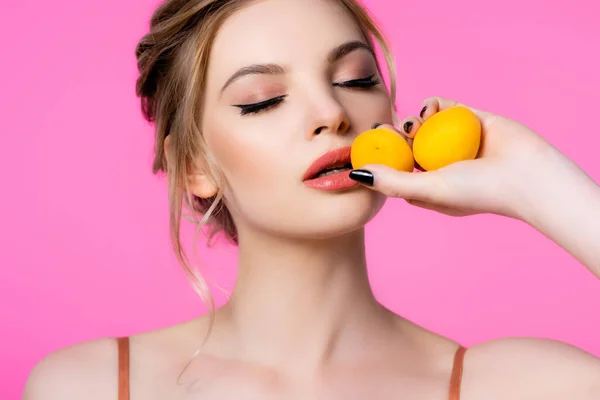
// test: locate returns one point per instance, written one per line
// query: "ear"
(199, 180)
(201, 184)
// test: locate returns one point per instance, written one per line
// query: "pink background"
(84, 246)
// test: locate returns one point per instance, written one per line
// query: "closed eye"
(255, 108)
(367, 82)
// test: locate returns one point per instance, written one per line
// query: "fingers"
(425, 187)
(435, 104)
(453, 212)
(408, 127)
(425, 190)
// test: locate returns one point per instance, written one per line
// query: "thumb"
(422, 186)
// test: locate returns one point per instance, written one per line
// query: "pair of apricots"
(449, 136)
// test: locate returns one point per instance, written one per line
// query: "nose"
(328, 116)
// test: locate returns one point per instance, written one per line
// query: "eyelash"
(359, 84)
(258, 107)
(362, 83)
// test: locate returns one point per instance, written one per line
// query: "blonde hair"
(172, 61)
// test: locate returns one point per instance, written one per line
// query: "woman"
(246, 97)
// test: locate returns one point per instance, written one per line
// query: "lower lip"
(339, 181)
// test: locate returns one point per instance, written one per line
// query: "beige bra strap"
(123, 368)
(457, 371)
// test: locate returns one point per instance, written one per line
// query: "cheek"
(366, 109)
(255, 167)
(382, 108)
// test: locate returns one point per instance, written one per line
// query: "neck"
(303, 299)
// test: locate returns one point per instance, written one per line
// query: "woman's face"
(307, 62)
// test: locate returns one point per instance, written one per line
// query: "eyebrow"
(334, 55)
(344, 49)
(260, 69)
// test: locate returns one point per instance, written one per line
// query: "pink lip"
(337, 181)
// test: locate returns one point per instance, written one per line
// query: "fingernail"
(375, 125)
(407, 126)
(362, 176)
(423, 111)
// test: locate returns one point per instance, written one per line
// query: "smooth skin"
(302, 322)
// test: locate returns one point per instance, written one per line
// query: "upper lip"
(339, 156)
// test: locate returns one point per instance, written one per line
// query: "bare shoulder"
(86, 370)
(89, 370)
(529, 368)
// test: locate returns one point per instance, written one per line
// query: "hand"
(512, 163)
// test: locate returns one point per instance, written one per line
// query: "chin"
(310, 214)
(333, 214)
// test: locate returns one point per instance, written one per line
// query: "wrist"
(558, 187)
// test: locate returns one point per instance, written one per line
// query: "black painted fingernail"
(423, 111)
(407, 126)
(362, 176)
(375, 125)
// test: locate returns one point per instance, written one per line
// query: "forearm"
(566, 209)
